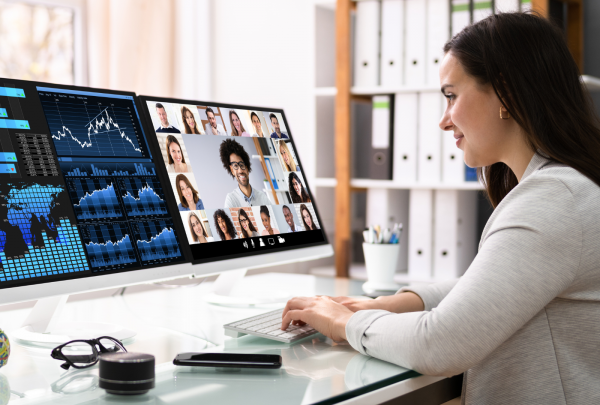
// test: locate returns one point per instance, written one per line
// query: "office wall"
(591, 44)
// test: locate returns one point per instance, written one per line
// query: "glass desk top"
(170, 321)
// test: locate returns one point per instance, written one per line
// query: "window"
(38, 41)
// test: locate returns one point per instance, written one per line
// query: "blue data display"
(108, 245)
(37, 239)
(156, 240)
(94, 198)
(90, 126)
(142, 196)
(8, 157)
(3, 113)
(14, 124)
(7, 168)
(107, 169)
(11, 92)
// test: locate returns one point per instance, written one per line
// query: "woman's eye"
(450, 97)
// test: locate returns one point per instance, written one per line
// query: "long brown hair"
(171, 139)
(526, 60)
(194, 236)
(234, 131)
(186, 127)
(242, 213)
(182, 200)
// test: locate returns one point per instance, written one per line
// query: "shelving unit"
(340, 194)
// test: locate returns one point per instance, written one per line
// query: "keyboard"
(268, 325)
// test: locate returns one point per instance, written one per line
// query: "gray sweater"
(523, 322)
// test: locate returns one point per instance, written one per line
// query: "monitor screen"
(79, 192)
(234, 176)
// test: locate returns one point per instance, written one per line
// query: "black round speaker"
(126, 373)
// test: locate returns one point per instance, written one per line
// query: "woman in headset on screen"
(522, 322)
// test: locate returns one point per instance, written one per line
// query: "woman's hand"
(399, 303)
(322, 313)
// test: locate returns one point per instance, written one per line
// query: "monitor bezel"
(163, 171)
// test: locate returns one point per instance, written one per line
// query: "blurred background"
(270, 53)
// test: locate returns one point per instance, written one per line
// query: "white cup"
(381, 261)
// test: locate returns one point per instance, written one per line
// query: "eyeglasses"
(243, 220)
(238, 165)
(84, 353)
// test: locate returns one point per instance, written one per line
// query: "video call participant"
(237, 128)
(288, 161)
(289, 218)
(248, 229)
(237, 163)
(189, 122)
(196, 229)
(275, 122)
(176, 159)
(257, 125)
(265, 217)
(188, 196)
(297, 190)
(307, 219)
(212, 127)
(224, 225)
(164, 120)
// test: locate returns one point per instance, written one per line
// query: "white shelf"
(325, 91)
(358, 271)
(368, 183)
(592, 83)
(368, 91)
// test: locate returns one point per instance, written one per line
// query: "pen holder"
(381, 261)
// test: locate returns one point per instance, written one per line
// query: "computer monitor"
(87, 203)
(81, 205)
(237, 182)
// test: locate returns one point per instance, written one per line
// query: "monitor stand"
(41, 328)
(227, 292)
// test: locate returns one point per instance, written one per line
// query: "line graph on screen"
(96, 126)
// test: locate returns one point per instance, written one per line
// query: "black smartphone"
(236, 360)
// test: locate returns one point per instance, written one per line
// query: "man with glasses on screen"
(237, 163)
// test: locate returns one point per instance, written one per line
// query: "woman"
(257, 124)
(307, 219)
(188, 196)
(265, 217)
(176, 159)
(521, 323)
(287, 160)
(248, 229)
(196, 229)
(237, 128)
(189, 122)
(224, 225)
(297, 191)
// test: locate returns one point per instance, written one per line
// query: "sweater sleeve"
(529, 255)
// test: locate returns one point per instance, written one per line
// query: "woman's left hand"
(322, 313)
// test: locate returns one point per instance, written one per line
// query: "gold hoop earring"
(507, 114)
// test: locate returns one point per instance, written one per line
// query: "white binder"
(392, 41)
(525, 5)
(438, 32)
(429, 168)
(420, 233)
(405, 138)
(455, 232)
(366, 59)
(414, 56)
(461, 15)
(506, 6)
(482, 9)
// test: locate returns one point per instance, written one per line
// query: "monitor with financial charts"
(236, 180)
(82, 207)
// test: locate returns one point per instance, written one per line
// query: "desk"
(169, 321)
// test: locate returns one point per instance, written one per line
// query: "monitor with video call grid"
(234, 177)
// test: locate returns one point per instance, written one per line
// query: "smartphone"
(237, 360)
